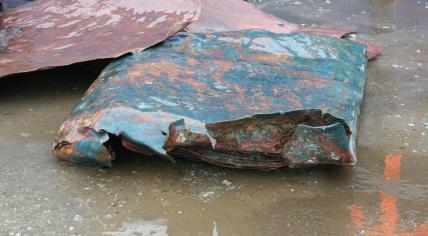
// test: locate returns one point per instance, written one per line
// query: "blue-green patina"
(216, 84)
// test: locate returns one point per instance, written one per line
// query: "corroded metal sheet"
(243, 99)
(232, 15)
(50, 33)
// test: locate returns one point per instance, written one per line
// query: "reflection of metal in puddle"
(144, 228)
(368, 181)
(149, 228)
(389, 214)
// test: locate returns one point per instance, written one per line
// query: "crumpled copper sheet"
(232, 15)
(243, 99)
(49, 33)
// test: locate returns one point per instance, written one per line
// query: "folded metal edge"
(307, 145)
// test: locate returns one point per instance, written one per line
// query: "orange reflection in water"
(389, 214)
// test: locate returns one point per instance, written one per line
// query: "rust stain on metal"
(50, 33)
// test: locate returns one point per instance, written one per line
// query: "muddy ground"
(386, 193)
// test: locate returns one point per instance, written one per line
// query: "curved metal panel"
(50, 33)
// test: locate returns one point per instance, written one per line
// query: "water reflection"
(144, 228)
(388, 222)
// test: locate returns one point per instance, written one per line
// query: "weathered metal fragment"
(49, 33)
(232, 15)
(244, 99)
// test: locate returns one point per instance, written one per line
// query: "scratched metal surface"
(244, 99)
(49, 33)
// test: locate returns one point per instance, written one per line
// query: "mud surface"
(384, 194)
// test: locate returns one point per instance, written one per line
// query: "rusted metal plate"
(49, 33)
(243, 99)
(232, 15)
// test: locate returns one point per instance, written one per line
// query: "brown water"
(386, 193)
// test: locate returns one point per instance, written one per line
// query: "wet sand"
(386, 193)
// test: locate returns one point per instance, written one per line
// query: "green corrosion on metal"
(243, 99)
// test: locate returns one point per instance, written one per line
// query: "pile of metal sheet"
(244, 99)
(237, 87)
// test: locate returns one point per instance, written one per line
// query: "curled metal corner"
(310, 146)
(89, 151)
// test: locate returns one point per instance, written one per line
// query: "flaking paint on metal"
(197, 96)
(49, 33)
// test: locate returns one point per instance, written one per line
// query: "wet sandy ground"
(386, 193)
